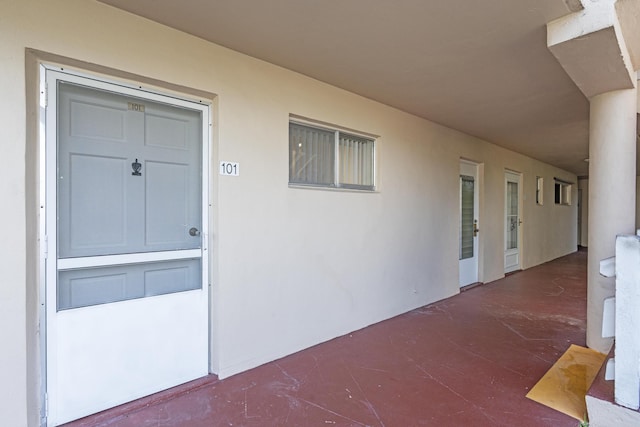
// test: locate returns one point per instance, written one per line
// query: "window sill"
(338, 189)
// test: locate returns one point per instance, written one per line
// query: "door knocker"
(136, 166)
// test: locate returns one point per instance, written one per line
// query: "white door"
(469, 227)
(513, 222)
(126, 264)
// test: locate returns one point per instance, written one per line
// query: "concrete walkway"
(466, 361)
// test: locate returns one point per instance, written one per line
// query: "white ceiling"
(481, 67)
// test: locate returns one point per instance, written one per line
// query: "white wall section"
(292, 267)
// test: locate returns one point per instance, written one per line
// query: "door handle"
(519, 222)
(194, 232)
(475, 228)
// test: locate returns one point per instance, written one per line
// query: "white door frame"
(47, 210)
(515, 177)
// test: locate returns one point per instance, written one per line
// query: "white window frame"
(539, 190)
(337, 131)
(564, 196)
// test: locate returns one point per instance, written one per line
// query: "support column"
(599, 48)
(612, 194)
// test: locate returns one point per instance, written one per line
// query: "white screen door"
(513, 221)
(468, 229)
(126, 264)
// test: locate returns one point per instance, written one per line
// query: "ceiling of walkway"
(481, 67)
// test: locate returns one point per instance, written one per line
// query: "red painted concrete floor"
(466, 361)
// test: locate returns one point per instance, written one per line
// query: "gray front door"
(127, 307)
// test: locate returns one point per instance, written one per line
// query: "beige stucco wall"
(291, 267)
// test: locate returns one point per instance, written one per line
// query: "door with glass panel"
(513, 222)
(468, 226)
(126, 266)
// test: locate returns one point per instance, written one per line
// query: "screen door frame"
(47, 192)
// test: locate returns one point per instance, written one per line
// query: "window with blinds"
(330, 158)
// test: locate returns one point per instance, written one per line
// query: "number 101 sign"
(230, 168)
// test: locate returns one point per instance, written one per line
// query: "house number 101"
(230, 168)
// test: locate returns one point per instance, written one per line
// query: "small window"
(539, 190)
(330, 158)
(562, 193)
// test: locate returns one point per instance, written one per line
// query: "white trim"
(50, 237)
(128, 87)
(304, 121)
(43, 244)
(124, 259)
(517, 177)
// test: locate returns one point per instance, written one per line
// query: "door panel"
(172, 277)
(127, 305)
(100, 377)
(103, 208)
(166, 208)
(101, 285)
(84, 207)
(512, 222)
(166, 131)
(102, 122)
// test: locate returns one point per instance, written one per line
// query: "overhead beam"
(628, 12)
(590, 46)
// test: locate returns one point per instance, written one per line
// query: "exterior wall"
(291, 267)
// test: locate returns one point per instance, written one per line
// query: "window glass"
(330, 158)
(356, 161)
(512, 215)
(311, 155)
(467, 216)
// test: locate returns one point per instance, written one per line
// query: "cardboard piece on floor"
(565, 385)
